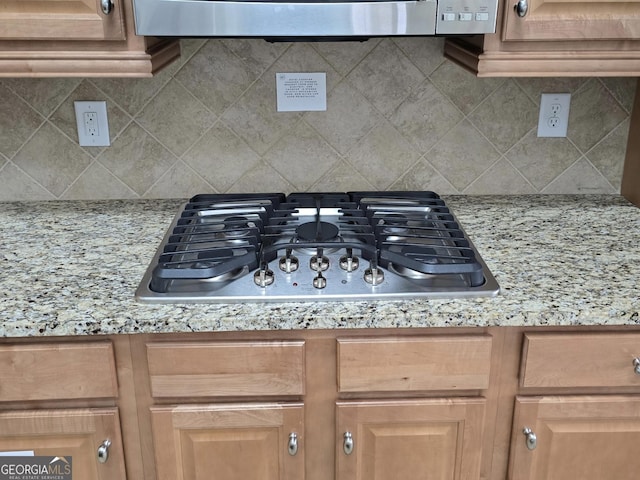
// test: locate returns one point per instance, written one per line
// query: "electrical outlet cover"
(553, 120)
(92, 123)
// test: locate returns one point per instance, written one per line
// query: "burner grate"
(250, 246)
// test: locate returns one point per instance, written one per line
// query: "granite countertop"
(71, 268)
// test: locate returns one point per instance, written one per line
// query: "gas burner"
(317, 232)
(236, 227)
(228, 276)
(395, 224)
(268, 247)
(407, 272)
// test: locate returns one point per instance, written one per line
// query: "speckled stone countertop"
(71, 268)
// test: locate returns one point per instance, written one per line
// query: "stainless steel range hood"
(312, 19)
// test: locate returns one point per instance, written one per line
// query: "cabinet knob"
(521, 8)
(347, 444)
(636, 365)
(103, 451)
(107, 6)
(293, 444)
(532, 440)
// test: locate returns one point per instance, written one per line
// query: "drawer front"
(575, 360)
(414, 364)
(57, 371)
(226, 369)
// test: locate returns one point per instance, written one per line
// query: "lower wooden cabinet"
(417, 439)
(324, 405)
(229, 442)
(576, 437)
(75, 433)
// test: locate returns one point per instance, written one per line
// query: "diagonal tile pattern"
(399, 117)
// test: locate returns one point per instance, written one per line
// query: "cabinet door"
(570, 20)
(416, 439)
(60, 20)
(577, 437)
(228, 442)
(75, 433)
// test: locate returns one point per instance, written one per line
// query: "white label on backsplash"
(301, 92)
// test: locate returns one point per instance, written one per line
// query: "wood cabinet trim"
(631, 174)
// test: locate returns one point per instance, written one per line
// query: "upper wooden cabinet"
(567, 20)
(76, 38)
(539, 38)
(61, 20)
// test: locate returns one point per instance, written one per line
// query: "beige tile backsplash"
(399, 117)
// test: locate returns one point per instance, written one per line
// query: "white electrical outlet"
(92, 123)
(554, 114)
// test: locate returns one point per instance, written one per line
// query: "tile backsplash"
(399, 116)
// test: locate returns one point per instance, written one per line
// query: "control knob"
(319, 282)
(263, 277)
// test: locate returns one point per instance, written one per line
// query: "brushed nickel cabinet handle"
(521, 8)
(636, 365)
(347, 445)
(293, 444)
(107, 6)
(532, 440)
(103, 451)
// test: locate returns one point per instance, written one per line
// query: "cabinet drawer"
(414, 364)
(57, 371)
(579, 360)
(226, 369)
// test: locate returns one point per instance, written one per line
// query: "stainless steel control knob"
(289, 263)
(373, 276)
(349, 262)
(263, 277)
(319, 263)
(319, 282)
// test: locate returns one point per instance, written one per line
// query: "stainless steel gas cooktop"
(352, 246)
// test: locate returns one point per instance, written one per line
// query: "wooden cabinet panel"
(571, 20)
(414, 364)
(228, 442)
(417, 439)
(580, 437)
(571, 360)
(220, 369)
(57, 371)
(58, 20)
(556, 38)
(74, 433)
